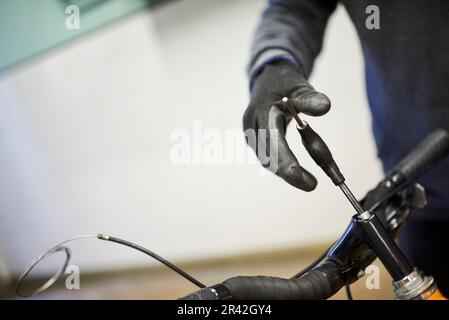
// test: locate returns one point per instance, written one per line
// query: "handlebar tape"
(314, 285)
(431, 150)
(317, 284)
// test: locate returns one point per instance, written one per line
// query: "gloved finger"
(250, 128)
(310, 102)
(283, 162)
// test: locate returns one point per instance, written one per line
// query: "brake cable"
(61, 248)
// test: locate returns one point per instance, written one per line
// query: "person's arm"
(286, 43)
(290, 30)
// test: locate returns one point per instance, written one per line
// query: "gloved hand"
(266, 111)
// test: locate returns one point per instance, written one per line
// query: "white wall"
(85, 142)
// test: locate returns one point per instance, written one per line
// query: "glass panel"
(30, 27)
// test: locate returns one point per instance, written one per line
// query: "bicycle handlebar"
(431, 150)
(216, 292)
(324, 280)
(317, 284)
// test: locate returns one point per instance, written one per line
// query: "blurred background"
(86, 120)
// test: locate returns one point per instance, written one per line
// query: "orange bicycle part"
(437, 295)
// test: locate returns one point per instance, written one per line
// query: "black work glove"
(266, 111)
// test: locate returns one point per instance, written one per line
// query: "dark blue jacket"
(406, 67)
